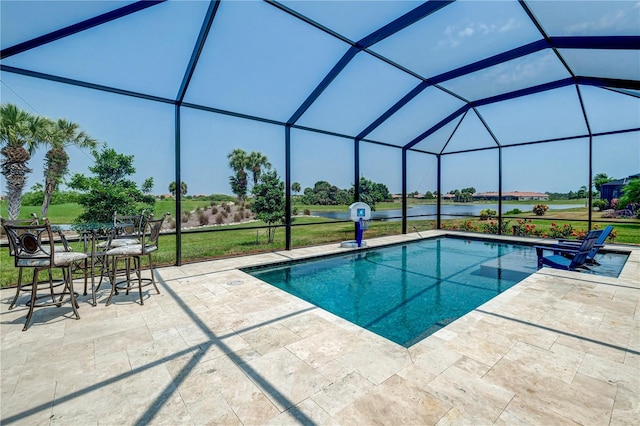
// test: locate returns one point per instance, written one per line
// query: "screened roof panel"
(21, 21)
(417, 116)
(470, 134)
(587, 18)
(459, 34)
(125, 52)
(362, 92)
(621, 64)
(352, 19)
(541, 116)
(251, 64)
(531, 70)
(436, 141)
(603, 118)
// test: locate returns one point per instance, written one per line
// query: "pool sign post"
(360, 213)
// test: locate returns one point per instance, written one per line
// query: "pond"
(449, 211)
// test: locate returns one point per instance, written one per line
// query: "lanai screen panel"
(603, 118)
(459, 34)
(587, 18)
(135, 52)
(520, 73)
(541, 116)
(24, 20)
(522, 166)
(310, 164)
(417, 116)
(252, 64)
(352, 19)
(362, 92)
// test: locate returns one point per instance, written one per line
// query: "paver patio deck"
(218, 346)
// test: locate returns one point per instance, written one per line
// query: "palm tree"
(255, 162)
(238, 162)
(295, 187)
(19, 132)
(60, 135)
(173, 188)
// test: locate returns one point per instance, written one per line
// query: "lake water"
(449, 211)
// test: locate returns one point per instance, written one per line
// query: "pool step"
(512, 266)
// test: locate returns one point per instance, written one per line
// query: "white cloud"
(467, 32)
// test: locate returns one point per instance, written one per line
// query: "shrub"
(172, 223)
(525, 228)
(185, 216)
(467, 226)
(599, 204)
(214, 210)
(247, 214)
(224, 214)
(564, 231)
(307, 212)
(219, 219)
(203, 218)
(237, 217)
(540, 209)
(212, 204)
(294, 210)
(493, 226)
(487, 214)
(227, 208)
(514, 211)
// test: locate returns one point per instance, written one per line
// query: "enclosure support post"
(287, 186)
(356, 178)
(439, 200)
(178, 189)
(499, 190)
(404, 190)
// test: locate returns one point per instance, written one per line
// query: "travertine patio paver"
(218, 346)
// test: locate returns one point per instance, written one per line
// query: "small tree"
(110, 190)
(631, 195)
(268, 204)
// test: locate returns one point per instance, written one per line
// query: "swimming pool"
(406, 292)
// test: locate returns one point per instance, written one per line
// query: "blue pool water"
(407, 292)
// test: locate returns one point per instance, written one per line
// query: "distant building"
(512, 196)
(613, 189)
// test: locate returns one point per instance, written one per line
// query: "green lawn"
(235, 240)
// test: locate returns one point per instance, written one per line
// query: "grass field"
(242, 239)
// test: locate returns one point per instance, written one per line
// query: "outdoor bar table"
(91, 233)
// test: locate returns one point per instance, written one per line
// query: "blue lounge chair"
(578, 255)
(575, 244)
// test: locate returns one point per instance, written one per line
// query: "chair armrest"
(555, 248)
(63, 239)
(569, 241)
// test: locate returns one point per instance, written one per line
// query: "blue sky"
(260, 61)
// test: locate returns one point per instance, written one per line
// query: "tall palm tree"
(173, 188)
(255, 162)
(59, 136)
(19, 133)
(238, 162)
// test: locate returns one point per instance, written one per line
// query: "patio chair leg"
(18, 288)
(68, 284)
(32, 303)
(153, 278)
(113, 279)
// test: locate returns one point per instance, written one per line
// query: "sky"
(262, 62)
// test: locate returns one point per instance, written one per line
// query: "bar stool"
(32, 246)
(134, 252)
